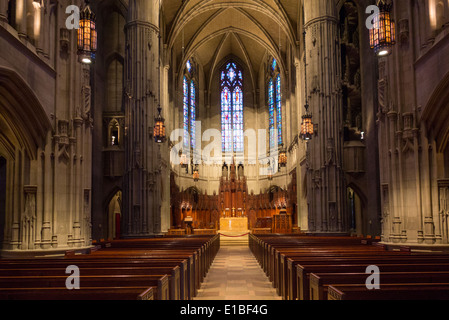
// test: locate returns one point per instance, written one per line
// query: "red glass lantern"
(159, 128)
(282, 157)
(307, 128)
(87, 36)
(383, 34)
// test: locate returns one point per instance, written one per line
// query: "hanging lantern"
(282, 157)
(159, 128)
(196, 174)
(87, 36)
(383, 33)
(307, 128)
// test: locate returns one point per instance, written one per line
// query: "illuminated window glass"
(192, 115)
(275, 106)
(189, 108)
(232, 108)
(279, 108)
(274, 64)
(186, 112)
(271, 121)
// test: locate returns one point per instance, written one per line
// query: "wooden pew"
(192, 264)
(365, 260)
(126, 260)
(279, 255)
(101, 293)
(91, 277)
(281, 269)
(303, 272)
(402, 291)
(319, 282)
(157, 267)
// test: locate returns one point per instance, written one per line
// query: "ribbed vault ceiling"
(211, 30)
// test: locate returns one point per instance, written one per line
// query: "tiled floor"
(236, 275)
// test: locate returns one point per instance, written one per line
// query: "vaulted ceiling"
(211, 30)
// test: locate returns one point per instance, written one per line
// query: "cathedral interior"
(280, 112)
(126, 119)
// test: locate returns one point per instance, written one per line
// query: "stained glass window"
(232, 109)
(226, 119)
(275, 106)
(186, 112)
(189, 109)
(273, 64)
(192, 115)
(271, 121)
(279, 108)
(237, 101)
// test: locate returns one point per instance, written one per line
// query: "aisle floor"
(236, 275)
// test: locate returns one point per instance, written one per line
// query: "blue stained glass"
(274, 64)
(232, 109)
(226, 120)
(271, 121)
(231, 75)
(186, 112)
(238, 119)
(189, 66)
(279, 108)
(192, 115)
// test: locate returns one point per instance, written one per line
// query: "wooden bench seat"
(319, 282)
(303, 272)
(289, 260)
(86, 293)
(402, 291)
(278, 272)
(100, 277)
(287, 272)
(176, 270)
(174, 266)
(193, 266)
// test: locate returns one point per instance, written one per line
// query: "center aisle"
(236, 275)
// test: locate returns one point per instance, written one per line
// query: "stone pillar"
(21, 12)
(15, 228)
(325, 168)
(141, 69)
(47, 196)
(39, 30)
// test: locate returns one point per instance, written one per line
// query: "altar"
(234, 224)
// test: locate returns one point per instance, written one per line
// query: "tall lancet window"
(231, 82)
(274, 105)
(189, 107)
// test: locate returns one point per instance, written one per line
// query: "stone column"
(141, 70)
(39, 30)
(47, 196)
(21, 12)
(325, 168)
